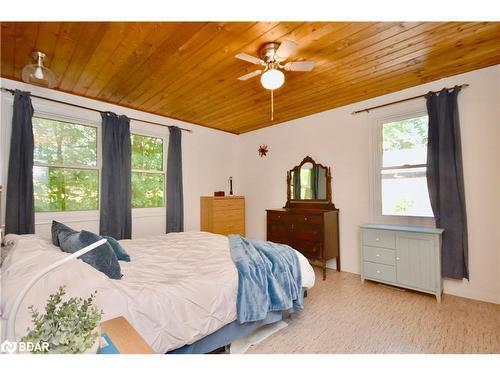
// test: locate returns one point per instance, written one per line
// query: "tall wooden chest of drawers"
(408, 257)
(223, 215)
(312, 232)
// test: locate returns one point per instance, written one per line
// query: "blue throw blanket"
(269, 278)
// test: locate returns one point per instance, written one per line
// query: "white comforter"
(177, 289)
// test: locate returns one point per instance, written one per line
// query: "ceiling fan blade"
(250, 75)
(299, 66)
(285, 49)
(249, 58)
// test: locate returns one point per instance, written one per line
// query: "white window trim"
(376, 152)
(60, 112)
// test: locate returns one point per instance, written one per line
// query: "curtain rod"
(402, 100)
(93, 109)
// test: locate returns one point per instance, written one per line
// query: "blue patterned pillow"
(120, 252)
(102, 258)
(58, 227)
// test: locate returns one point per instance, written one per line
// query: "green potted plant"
(68, 326)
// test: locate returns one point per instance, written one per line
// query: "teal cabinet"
(404, 256)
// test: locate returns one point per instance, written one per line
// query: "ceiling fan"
(272, 56)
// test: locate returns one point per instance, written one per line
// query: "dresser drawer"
(228, 204)
(275, 216)
(379, 271)
(228, 216)
(379, 255)
(309, 232)
(379, 238)
(310, 249)
(306, 218)
(229, 228)
(277, 229)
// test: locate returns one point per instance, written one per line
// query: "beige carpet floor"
(343, 316)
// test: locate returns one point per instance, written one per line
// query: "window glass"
(403, 172)
(65, 173)
(148, 176)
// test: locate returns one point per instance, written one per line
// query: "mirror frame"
(325, 204)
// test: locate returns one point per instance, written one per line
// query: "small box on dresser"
(403, 256)
(223, 215)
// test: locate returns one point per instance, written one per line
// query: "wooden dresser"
(313, 232)
(223, 215)
(309, 222)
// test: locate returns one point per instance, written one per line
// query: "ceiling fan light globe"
(272, 79)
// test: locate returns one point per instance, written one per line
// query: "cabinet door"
(416, 261)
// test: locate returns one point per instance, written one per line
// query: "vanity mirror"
(309, 182)
(309, 222)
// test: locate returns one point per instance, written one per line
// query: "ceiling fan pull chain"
(272, 105)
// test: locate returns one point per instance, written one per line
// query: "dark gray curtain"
(116, 196)
(445, 181)
(20, 206)
(175, 200)
(296, 184)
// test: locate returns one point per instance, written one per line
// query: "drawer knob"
(378, 271)
(377, 239)
(377, 255)
(279, 216)
(397, 258)
(305, 219)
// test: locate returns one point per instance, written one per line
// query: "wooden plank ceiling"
(187, 70)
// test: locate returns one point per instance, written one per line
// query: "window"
(148, 173)
(65, 172)
(403, 168)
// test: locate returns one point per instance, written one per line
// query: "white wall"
(343, 141)
(335, 138)
(209, 158)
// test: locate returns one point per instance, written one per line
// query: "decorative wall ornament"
(263, 150)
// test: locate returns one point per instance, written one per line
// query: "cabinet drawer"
(306, 218)
(379, 255)
(229, 228)
(309, 232)
(380, 272)
(379, 238)
(277, 229)
(228, 216)
(228, 204)
(275, 216)
(309, 249)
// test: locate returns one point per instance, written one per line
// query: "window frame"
(69, 113)
(377, 153)
(60, 113)
(142, 133)
(97, 167)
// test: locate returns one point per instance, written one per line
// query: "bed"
(178, 289)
